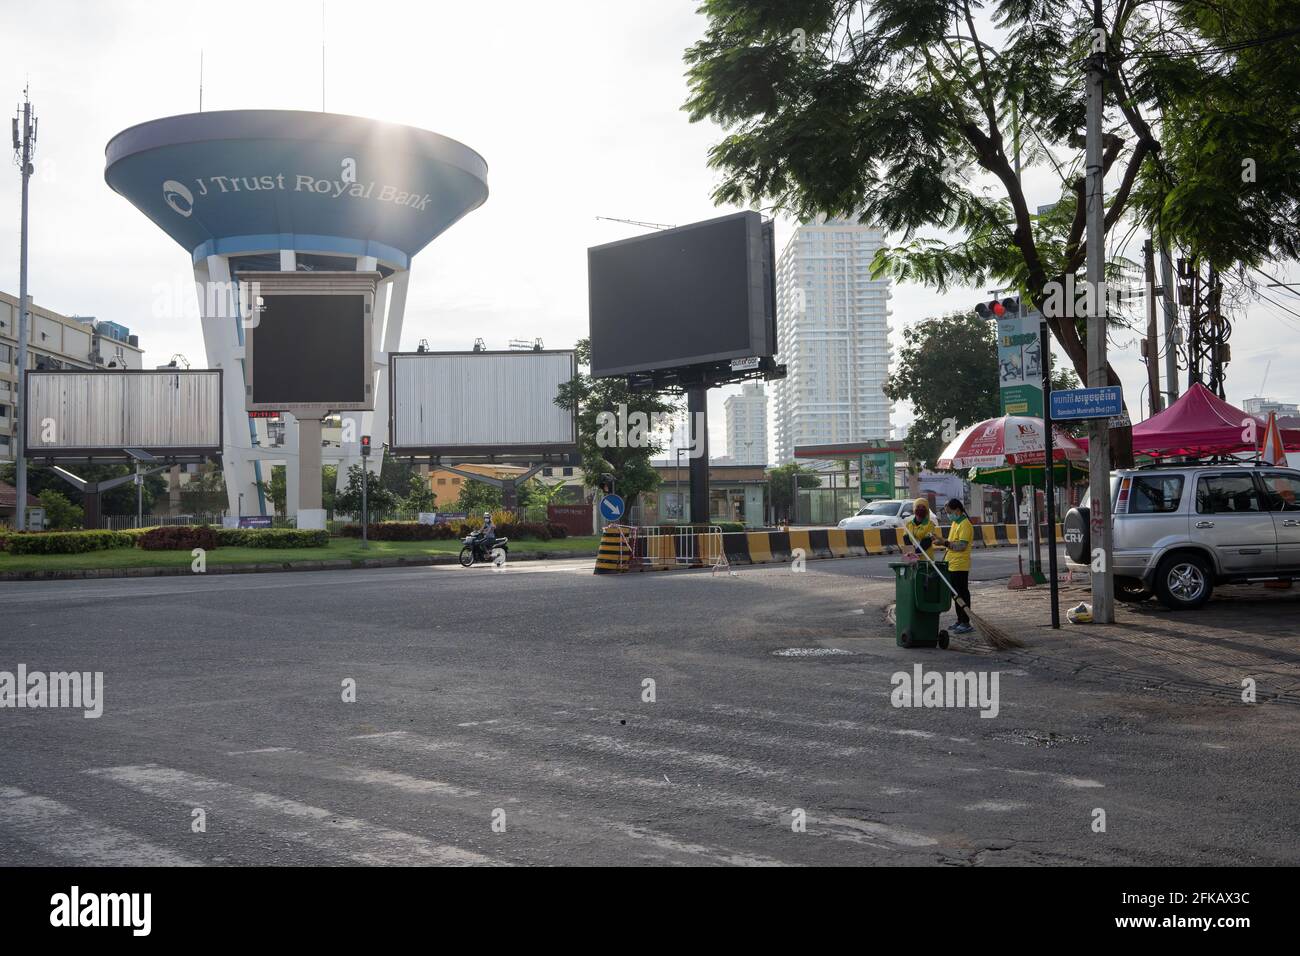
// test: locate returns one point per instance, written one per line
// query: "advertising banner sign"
(876, 475)
(1020, 369)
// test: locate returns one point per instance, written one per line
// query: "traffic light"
(607, 484)
(365, 446)
(998, 308)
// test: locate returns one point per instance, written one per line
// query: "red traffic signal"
(997, 308)
(365, 445)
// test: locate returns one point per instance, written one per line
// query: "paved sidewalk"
(1244, 631)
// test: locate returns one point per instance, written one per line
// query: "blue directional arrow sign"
(611, 507)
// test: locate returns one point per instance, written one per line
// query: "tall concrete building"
(833, 336)
(55, 341)
(747, 425)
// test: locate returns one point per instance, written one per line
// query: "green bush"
(60, 513)
(401, 531)
(272, 538)
(66, 542)
(179, 537)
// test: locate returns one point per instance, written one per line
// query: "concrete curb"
(337, 564)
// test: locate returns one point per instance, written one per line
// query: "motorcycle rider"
(488, 536)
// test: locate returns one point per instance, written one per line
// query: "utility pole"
(1153, 341)
(24, 144)
(1103, 593)
(1171, 322)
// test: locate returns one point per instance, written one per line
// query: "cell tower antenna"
(24, 128)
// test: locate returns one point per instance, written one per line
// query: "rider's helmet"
(487, 516)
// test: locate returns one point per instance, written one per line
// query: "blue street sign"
(1080, 403)
(611, 507)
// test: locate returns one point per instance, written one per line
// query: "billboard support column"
(697, 410)
(310, 512)
(222, 341)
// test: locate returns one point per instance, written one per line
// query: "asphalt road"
(516, 697)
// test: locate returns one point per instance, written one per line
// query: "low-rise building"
(56, 341)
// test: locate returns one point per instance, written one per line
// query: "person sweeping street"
(922, 527)
(959, 542)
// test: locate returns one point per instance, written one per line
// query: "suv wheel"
(1131, 590)
(1183, 582)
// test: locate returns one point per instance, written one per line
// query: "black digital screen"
(679, 297)
(310, 349)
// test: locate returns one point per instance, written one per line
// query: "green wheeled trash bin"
(921, 596)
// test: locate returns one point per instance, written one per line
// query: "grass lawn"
(339, 548)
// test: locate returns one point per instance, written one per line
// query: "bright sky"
(576, 108)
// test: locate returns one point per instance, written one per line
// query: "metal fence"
(123, 522)
(660, 547)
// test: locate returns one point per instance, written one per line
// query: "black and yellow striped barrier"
(614, 555)
(618, 553)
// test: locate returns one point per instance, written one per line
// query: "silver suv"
(1182, 529)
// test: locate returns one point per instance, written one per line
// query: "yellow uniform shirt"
(961, 530)
(919, 532)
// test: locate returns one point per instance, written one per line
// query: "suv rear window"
(1226, 494)
(1155, 494)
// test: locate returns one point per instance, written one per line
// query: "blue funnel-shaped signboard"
(238, 181)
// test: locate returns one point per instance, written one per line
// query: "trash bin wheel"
(907, 638)
(943, 640)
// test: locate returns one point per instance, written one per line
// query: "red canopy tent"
(1201, 423)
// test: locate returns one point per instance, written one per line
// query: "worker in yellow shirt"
(924, 532)
(959, 542)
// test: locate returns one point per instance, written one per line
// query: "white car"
(879, 514)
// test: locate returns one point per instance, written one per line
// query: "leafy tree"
(328, 487)
(948, 371)
(419, 496)
(205, 493)
(60, 513)
(539, 494)
(478, 496)
(628, 457)
(780, 481)
(879, 110)
(276, 488)
(380, 501)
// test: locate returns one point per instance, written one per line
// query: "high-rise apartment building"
(833, 337)
(747, 425)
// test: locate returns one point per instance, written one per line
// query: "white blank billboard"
(480, 403)
(101, 413)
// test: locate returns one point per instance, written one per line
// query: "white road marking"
(67, 832)
(528, 814)
(358, 840)
(573, 775)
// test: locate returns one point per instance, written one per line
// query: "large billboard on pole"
(481, 404)
(694, 295)
(97, 415)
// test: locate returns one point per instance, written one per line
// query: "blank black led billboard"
(310, 350)
(687, 296)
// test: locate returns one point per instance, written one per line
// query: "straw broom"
(996, 637)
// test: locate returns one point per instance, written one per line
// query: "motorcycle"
(475, 549)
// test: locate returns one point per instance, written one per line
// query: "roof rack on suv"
(1200, 462)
